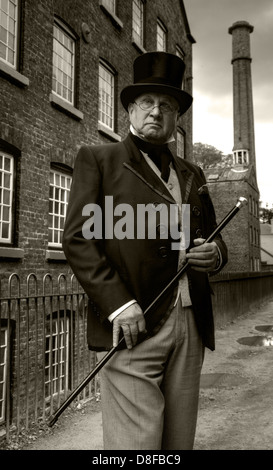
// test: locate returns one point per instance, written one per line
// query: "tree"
(266, 215)
(206, 155)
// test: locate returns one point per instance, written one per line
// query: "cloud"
(262, 103)
(264, 157)
(209, 126)
(209, 22)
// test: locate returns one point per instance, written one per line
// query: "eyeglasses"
(148, 104)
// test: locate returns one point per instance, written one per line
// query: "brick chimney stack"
(243, 115)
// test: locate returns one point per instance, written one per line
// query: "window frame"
(4, 366)
(110, 13)
(108, 5)
(139, 39)
(61, 172)
(12, 209)
(160, 27)
(54, 378)
(58, 23)
(179, 52)
(14, 66)
(241, 157)
(107, 68)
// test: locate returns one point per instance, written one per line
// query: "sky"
(209, 21)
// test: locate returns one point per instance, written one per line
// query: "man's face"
(154, 116)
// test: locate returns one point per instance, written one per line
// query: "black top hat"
(158, 72)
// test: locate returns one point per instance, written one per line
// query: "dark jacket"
(113, 271)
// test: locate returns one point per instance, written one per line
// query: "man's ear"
(130, 107)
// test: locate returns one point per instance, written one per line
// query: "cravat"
(160, 154)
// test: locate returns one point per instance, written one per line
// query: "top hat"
(158, 72)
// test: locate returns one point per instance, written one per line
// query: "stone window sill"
(108, 132)
(55, 255)
(11, 253)
(115, 20)
(14, 75)
(64, 106)
(138, 46)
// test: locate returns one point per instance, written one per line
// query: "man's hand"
(132, 322)
(204, 256)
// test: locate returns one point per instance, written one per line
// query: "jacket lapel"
(185, 177)
(138, 165)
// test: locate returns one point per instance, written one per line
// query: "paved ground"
(236, 399)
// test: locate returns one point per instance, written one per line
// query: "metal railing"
(238, 293)
(44, 353)
(43, 347)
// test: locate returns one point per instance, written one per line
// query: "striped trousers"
(150, 393)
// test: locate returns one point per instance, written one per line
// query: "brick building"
(267, 245)
(242, 234)
(63, 64)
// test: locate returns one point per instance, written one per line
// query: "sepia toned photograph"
(136, 229)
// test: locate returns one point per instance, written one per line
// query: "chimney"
(243, 116)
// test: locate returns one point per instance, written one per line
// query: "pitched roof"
(228, 174)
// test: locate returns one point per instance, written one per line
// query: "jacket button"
(157, 206)
(161, 229)
(198, 233)
(163, 252)
(196, 211)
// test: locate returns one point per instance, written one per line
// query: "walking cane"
(53, 418)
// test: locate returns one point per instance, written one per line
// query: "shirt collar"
(134, 131)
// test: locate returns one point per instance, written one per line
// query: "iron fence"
(43, 349)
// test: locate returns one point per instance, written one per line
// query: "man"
(150, 387)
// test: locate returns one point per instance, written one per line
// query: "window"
(106, 96)
(9, 31)
(161, 37)
(58, 199)
(111, 5)
(63, 63)
(241, 157)
(56, 356)
(179, 52)
(6, 197)
(180, 144)
(3, 371)
(251, 234)
(253, 206)
(250, 204)
(138, 25)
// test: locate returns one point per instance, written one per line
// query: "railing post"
(18, 361)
